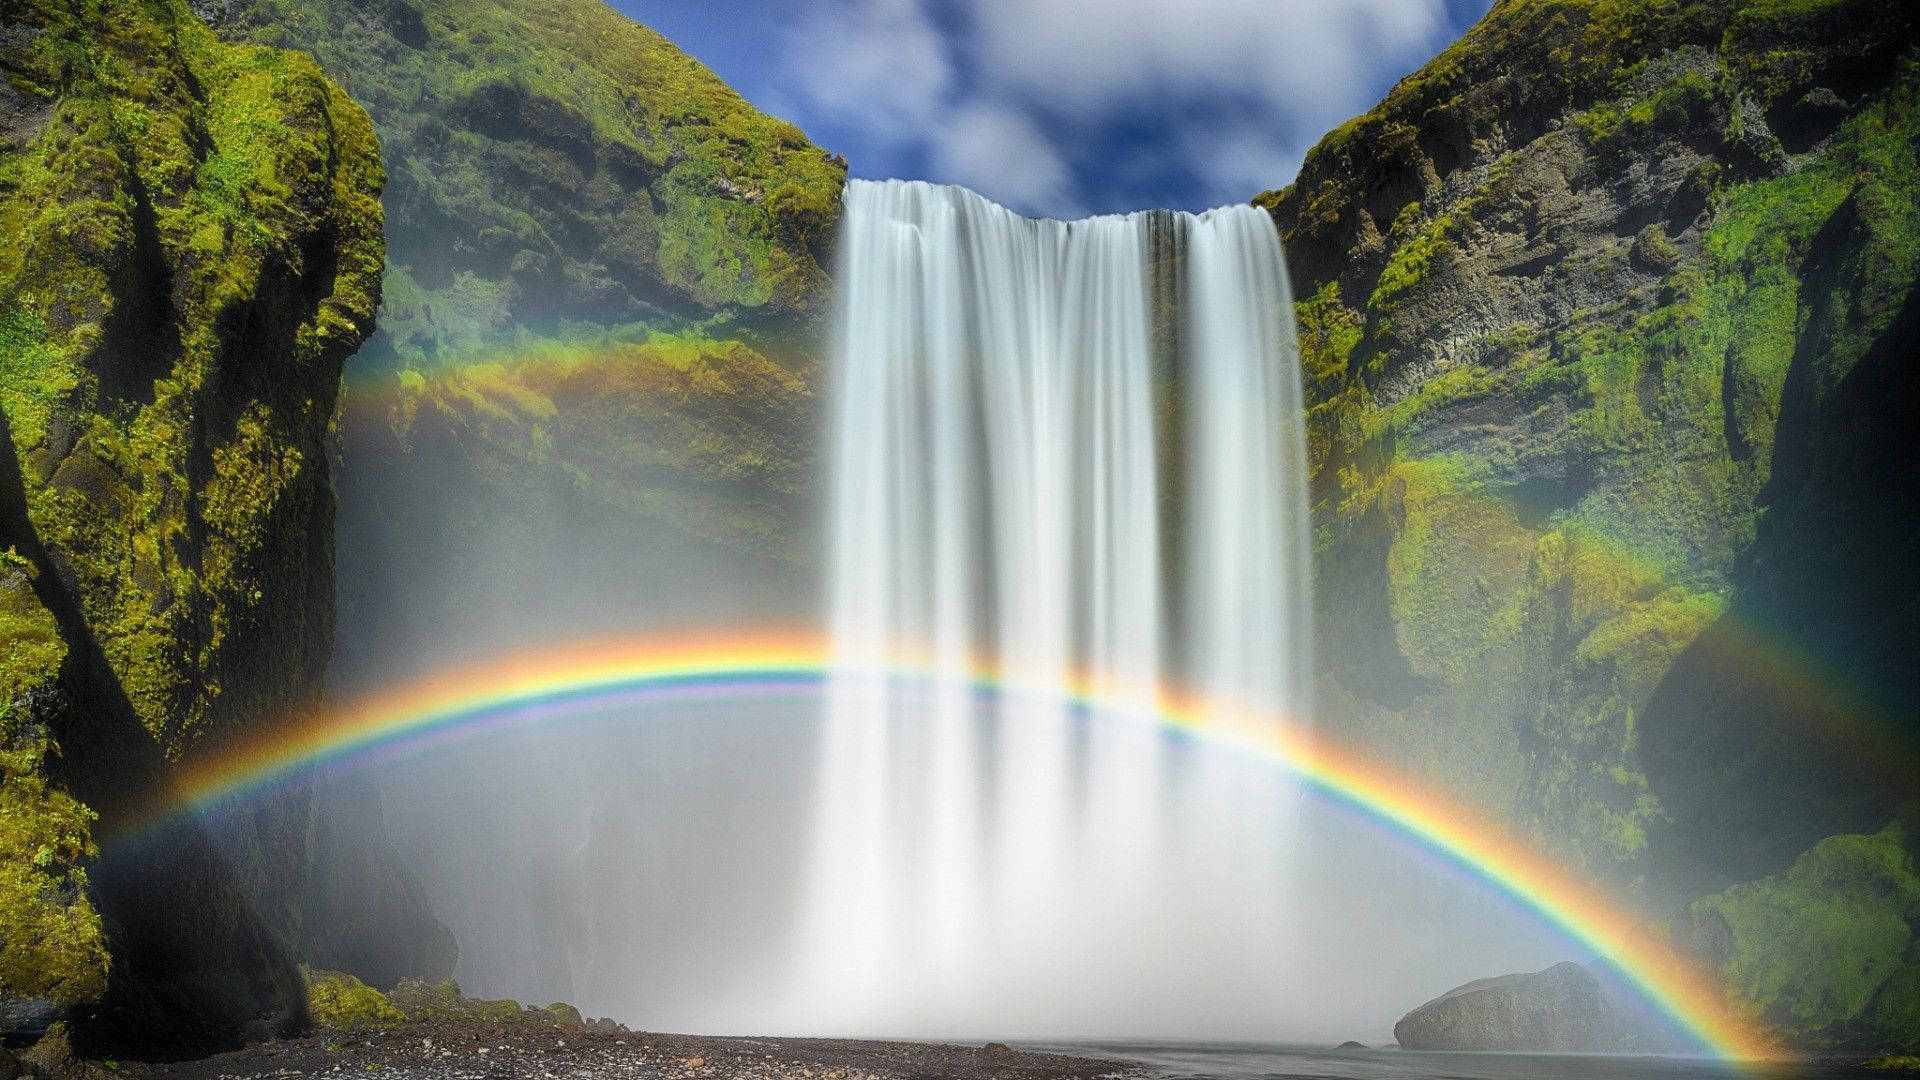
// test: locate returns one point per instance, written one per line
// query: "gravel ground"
(469, 1051)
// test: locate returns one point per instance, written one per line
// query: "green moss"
(341, 1002)
(1557, 506)
(1895, 1063)
(1894, 1017)
(1808, 950)
(646, 426)
(1412, 262)
(556, 164)
(443, 1002)
(1457, 559)
(53, 946)
(168, 209)
(194, 247)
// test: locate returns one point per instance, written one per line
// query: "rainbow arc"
(551, 685)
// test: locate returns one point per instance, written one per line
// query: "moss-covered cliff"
(194, 249)
(586, 223)
(592, 382)
(1556, 289)
(553, 163)
(1827, 952)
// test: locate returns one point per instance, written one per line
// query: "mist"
(663, 865)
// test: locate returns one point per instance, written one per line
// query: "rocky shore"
(465, 1050)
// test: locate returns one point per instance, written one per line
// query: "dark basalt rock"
(1561, 1009)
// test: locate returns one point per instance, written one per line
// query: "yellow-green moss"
(647, 426)
(443, 1001)
(53, 945)
(555, 163)
(166, 215)
(340, 1001)
(1457, 559)
(1809, 949)
(1565, 499)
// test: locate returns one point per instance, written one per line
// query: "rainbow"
(535, 686)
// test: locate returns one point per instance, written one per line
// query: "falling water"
(1070, 454)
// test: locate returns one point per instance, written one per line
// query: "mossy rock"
(339, 1001)
(1552, 295)
(54, 946)
(1819, 951)
(423, 1001)
(1894, 1016)
(556, 164)
(194, 250)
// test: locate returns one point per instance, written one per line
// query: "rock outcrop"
(1579, 304)
(605, 282)
(554, 163)
(1826, 953)
(194, 248)
(1563, 1009)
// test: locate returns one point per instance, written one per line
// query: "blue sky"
(1066, 107)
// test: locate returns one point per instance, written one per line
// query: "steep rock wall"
(194, 249)
(1559, 291)
(590, 402)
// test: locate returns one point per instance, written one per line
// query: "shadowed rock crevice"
(176, 924)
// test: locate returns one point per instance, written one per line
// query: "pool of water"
(1240, 1061)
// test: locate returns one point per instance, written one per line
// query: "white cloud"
(1088, 57)
(998, 150)
(1003, 94)
(882, 62)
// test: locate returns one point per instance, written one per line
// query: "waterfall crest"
(1066, 457)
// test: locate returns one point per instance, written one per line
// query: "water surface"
(1243, 1061)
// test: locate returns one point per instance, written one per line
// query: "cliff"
(607, 275)
(590, 399)
(194, 250)
(1608, 324)
(1580, 300)
(556, 163)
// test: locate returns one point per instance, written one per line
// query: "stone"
(1562, 1009)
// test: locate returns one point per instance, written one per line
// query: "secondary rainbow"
(537, 686)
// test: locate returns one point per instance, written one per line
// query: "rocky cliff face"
(194, 251)
(1580, 299)
(1827, 952)
(554, 163)
(593, 380)
(607, 272)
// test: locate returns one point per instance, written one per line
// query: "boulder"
(1564, 1008)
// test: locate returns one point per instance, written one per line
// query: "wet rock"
(1562, 1009)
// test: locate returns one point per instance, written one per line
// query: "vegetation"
(1552, 289)
(605, 292)
(54, 946)
(194, 247)
(189, 212)
(344, 1003)
(1820, 953)
(554, 164)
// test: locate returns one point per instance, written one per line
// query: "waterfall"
(1066, 457)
